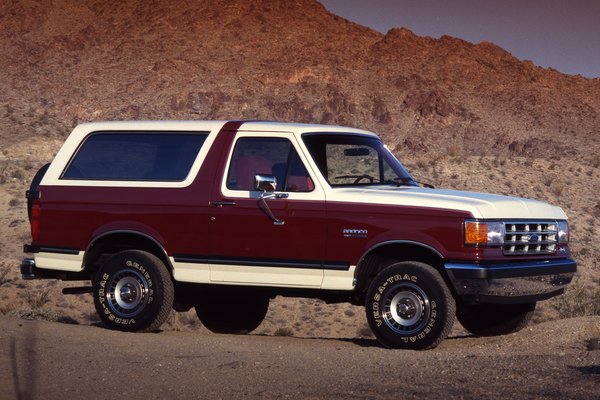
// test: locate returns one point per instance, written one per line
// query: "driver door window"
(267, 156)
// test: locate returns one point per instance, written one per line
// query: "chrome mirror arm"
(262, 200)
(267, 184)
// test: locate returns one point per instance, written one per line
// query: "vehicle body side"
(181, 218)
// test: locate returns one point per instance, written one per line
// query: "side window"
(135, 156)
(268, 156)
(297, 178)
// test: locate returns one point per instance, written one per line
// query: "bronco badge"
(355, 233)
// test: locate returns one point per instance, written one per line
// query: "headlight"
(563, 232)
(484, 233)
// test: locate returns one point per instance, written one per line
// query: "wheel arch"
(386, 253)
(112, 242)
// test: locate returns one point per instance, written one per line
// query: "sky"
(561, 34)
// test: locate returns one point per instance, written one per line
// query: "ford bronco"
(223, 216)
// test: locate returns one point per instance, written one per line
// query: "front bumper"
(514, 282)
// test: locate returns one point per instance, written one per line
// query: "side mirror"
(265, 183)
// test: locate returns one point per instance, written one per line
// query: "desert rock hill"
(65, 62)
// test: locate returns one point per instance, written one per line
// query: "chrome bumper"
(30, 271)
(27, 269)
(511, 282)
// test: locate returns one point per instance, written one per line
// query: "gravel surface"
(554, 360)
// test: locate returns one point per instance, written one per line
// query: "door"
(277, 241)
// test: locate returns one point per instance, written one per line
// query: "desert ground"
(49, 360)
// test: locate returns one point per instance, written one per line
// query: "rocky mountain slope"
(65, 62)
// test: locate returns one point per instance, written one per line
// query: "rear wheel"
(133, 291)
(494, 319)
(233, 311)
(409, 306)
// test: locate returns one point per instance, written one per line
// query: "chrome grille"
(530, 238)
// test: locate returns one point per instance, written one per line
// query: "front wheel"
(409, 306)
(133, 291)
(494, 319)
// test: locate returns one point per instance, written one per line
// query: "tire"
(133, 291)
(232, 311)
(494, 319)
(35, 183)
(409, 306)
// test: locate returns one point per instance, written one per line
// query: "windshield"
(348, 160)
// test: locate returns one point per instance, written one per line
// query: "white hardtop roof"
(268, 126)
(298, 128)
(150, 125)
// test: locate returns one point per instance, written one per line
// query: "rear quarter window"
(136, 156)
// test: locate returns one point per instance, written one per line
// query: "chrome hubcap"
(406, 308)
(127, 293)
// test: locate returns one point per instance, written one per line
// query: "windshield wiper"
(399, 181)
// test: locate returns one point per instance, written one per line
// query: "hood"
(480, 205)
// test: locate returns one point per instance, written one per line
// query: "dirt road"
(44, 360)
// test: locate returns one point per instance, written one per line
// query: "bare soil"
(39, 359)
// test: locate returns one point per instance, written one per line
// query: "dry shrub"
(17, 174)
(578, 301)
(558, 189)
(349, 313)
(454, 151)
(596, 211)
(284, 331)
(36, 298)
(365, 332)
(499, 161)
(43, 315)
(6, 309)
(4, 270)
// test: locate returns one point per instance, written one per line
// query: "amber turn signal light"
(476, 232)
(488, 233)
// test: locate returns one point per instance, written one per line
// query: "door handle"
(220, 204)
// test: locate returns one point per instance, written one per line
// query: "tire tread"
(432, 279)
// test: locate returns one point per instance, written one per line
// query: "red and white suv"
(222, 216)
